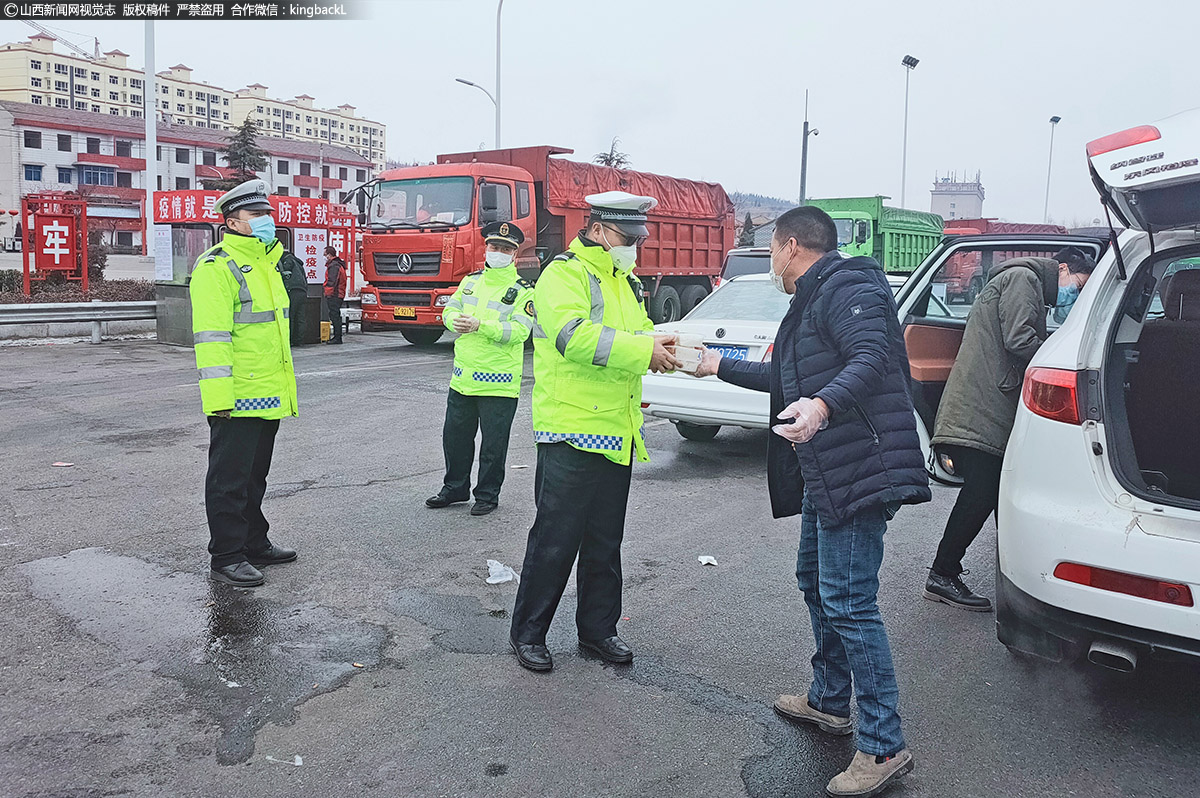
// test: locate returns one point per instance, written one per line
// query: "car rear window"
(738, 264)
(743, 300)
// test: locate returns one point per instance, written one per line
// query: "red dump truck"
(421, 230)
(964, 273)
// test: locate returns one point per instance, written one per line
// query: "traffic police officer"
(492, 311)
(592, 345)
(247, 383)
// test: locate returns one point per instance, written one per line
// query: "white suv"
(1099, 516)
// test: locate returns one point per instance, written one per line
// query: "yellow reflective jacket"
(488, 362)
(240, 329)
(590, 351)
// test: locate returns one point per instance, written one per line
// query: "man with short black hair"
(335, 291)
(845, 463)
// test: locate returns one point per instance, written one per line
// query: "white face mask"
(624, 258)
(777, 277)
(497, 260)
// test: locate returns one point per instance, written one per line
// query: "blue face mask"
(1067, 294)
(263, 228)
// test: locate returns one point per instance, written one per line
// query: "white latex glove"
(809, 416)
(466, 324)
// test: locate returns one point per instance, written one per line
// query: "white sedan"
(739, 320)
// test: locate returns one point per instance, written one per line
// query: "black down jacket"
(840, 341)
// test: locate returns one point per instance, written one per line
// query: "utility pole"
(910, 64)
(804, 152)
(1054, 120)
(499, 8)
(320, 169)
(150, 112)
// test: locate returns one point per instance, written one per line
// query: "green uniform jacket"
(240, 329)
(488, 362)
(591, 348)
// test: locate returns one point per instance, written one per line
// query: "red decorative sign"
(54, 235)
(185, 207)
(55, 238)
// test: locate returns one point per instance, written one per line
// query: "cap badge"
(504, 229)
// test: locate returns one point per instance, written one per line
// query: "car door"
(934, 304)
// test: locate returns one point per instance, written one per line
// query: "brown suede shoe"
(864, 777)
(796, 707)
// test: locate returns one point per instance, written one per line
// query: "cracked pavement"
(378, 665)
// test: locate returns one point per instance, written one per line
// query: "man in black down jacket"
(847, 461)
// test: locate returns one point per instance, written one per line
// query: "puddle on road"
(244, 660)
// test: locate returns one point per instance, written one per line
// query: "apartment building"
(103, 157)
(33, 72)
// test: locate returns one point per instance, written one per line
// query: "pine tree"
(746, 239)
(243, 155)
(617, 160)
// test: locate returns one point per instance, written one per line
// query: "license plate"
(731, 352)
(404, 313)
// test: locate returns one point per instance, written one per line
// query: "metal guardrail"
(96, 313)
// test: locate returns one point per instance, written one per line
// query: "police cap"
(624, 211)
(251, 196)
(503, 233)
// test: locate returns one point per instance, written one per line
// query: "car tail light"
(716, 283)
(645, 405)
(1129, 584)
(1053, 394)
(1126, 138)
(770, 351)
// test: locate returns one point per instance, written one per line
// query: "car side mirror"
(489, 203)
(863, 230)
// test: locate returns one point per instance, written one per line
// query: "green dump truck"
(896, 237)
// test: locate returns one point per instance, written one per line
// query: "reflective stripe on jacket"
(489, 361)
(590, 355)
(240, 330)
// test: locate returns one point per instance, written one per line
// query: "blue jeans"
(837, 568)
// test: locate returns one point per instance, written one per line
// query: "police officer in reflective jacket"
(247, 383)
(492, 312)
(592, 344)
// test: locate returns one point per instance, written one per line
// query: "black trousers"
(239, 457)
(977, 499)
(581, 499)
(296, 316)
(466, 415)
(334, 305)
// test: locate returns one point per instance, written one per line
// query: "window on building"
(61, 69)
(282, 191)
(124, 179)
(324, 122)
(360, 175)
(96, 76)
(65, 175)
(80, 106)
(183, 155)
(179, 93)
(209, 158)
(282, 167)
(225, 101)
(80, 72)
(160, 182)
(115, 111)
(276, 112)
(135, 83)
(62, 102)
(35, 65)
(33, 139)
(158, 152)
(179, 108)
(166, 105)
(61, 85)
(325, 195)
(288, 115)
(114, 97)
(93, 146)
(97, 176)
(124, 238)
(342, 196)
(37, 99)
(136, 113)
(305, 192)
(258, 109)
(182, 184)
(123, 149)
(112, 80)
(275, 126)
(305, 168)
(324, 171)
(189, 94)
(290, 129)
(64, 142)
(226, 117)
(136, 99)
(33, 172)
(80, 88)
(308, 131)
(343, 173)
(165, 90)
(35, 82)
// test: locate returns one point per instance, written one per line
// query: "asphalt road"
(124, 671)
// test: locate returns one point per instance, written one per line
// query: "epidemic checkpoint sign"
(55, 236)
(312, 222)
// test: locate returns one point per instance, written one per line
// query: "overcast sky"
(715, 90)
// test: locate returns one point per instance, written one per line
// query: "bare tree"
(617, 160)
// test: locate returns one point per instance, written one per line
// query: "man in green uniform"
(492, 311)
(592, 344)
(247, 383)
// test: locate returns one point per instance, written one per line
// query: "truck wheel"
(696, 432)
(664, 305)
(973, 290)
(692, 296)
(421, 336)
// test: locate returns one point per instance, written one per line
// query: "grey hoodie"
(1006, 327)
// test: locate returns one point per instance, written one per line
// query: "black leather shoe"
(271, 556)
(240, 574)
(532, 656)
(951, 590)
(610, 649)
(483, 508)
(441, 500)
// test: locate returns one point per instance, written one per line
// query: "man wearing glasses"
(592, 344)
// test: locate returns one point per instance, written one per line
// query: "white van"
(1099, 515)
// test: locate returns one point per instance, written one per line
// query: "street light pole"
(490, 97)
(910, 64)
(496, 99)
(1054, 120)
(150, 112)
(804, 152)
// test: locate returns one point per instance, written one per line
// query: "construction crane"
(69, 45)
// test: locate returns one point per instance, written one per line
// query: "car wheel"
(696, 432)
(664, 305)
(422, 336)
(973, 291)
(692, 296)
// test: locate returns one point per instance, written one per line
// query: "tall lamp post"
(494, 102)
(910, 64)
(1054, 120)
(804, 152)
